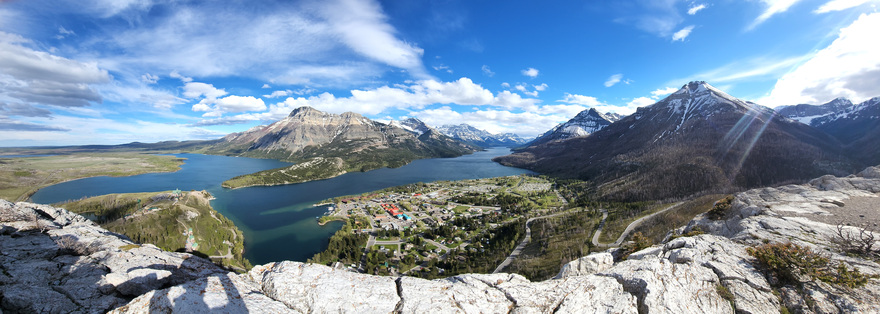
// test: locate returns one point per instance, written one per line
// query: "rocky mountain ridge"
(467, 133)
(584, 123)
(807, 114)
(308, 133)
(71, 265)
(698, 139)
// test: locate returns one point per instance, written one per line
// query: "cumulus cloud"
(527, 124)
(683, 33)
(614, 79)
(415, 96)
(541, 87)
(694, 9)
(488, 72)
(530, 72)
(229, 104)
(840, 5)
(588, 101)
(266, 86)
(663, 91)
(848, 67)
(195, 90)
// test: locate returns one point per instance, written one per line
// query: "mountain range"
(583, 124)
(469, 134)
(697, 140)
(857, 126)
(349, 141)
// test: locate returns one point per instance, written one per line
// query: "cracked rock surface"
(683, 275)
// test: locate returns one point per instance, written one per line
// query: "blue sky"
(116, 71)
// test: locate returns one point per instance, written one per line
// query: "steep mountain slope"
(858, 128)
(584, 123)
(698, 139)
(470, 134)
(807, 114)
(413, 125)
(359, 143)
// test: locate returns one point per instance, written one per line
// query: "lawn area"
(460, 209)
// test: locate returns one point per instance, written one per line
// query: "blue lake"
(279, 221)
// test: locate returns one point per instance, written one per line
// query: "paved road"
(629, 228)
(518, 250)
(599, 230)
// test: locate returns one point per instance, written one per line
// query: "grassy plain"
(22, 177)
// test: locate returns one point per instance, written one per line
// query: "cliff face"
(707, 273)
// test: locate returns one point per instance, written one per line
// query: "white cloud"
(527, 124)
(415, 96)
(659, 17)
(505, 85)
(36, 77)
(175, 74)
(229, 104)
(592, 102)
(640, 102)
(63, 32)
(773, 7)
(840, 5)
(663, 92)
(149, 78)
(266, 86)
(442, 68)
(614, 79)
(849, 67)
(520, 87)
(488, 72)
(85, 131)
(362, 26)
(530, 72)
(279, 93)
(683, 33)
(588, 101)
(750, 69)
(195, 90)
(694, 9)
(335, 43)
(541, 87)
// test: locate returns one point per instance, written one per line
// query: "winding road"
(522, 244)
(629, 228)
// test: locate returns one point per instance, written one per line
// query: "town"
(418, 229)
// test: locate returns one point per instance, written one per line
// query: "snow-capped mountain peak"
(470, 134)
(584, 123)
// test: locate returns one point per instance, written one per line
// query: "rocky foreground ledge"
(55, 261)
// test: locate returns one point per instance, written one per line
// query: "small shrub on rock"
(720, 208)
(639, 242)
(790, 263)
